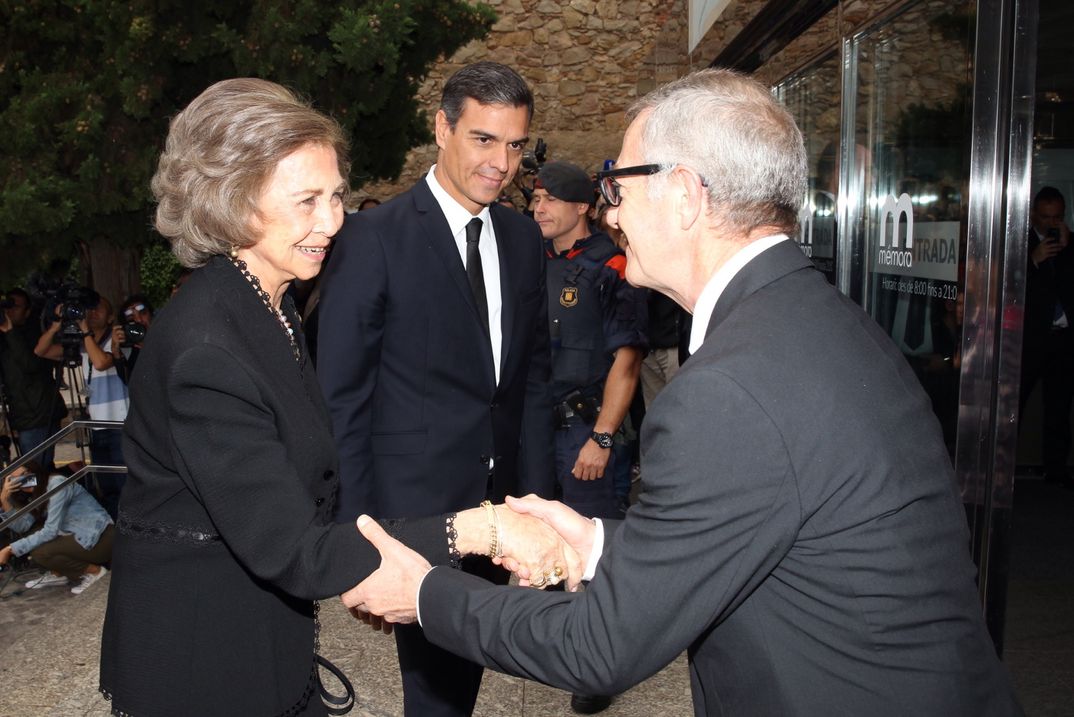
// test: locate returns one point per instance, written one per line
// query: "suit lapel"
(434, 227)
(768, 266)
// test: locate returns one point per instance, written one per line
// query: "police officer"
(598, 341)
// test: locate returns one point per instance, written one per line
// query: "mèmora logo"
(892, 255)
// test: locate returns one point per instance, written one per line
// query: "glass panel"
(812, 98)
(908, 137)
(1048, 349)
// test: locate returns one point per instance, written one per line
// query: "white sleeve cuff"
(417, 595)
(595, 552)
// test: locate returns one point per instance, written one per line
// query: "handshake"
(542, 542)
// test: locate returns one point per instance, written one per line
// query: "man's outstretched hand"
(575, 530)
(391, 591)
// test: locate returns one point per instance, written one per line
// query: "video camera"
(76, 301)
(533, 161)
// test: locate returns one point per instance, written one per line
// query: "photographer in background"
(1048, 339)
(75, 540)
(137, 315)
(35, 407)
(90, 321)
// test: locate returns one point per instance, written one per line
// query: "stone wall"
(586, 60)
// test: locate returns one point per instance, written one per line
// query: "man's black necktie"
(474, 273)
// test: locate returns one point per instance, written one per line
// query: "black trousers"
(438, 683)
(1048, 358)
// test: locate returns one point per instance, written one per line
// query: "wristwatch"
(604, 440)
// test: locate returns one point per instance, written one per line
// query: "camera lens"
(133, 333)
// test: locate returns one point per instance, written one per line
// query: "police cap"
(567, 182)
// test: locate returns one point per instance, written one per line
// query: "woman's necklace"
(267, 301)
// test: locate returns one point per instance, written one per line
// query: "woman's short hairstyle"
(220, 153)
(731, 131)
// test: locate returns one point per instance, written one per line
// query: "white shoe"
(88, 579)
(45, 580)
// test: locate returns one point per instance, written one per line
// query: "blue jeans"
(621, 452)
(31, 438)
(106, 448)
(591, 498)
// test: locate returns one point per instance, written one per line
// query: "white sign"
(924, 250)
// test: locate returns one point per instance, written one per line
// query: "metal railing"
(25, 458)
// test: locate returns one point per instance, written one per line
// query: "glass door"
(932, 215)
(907, 129)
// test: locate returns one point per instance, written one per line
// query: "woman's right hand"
(7, 491)
(541, 550)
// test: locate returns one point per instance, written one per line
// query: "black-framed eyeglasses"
(609, 188)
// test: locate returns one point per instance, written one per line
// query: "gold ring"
(558, 571)
(539, 582)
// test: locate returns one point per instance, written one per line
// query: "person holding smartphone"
(1048, 340)
(75, 540)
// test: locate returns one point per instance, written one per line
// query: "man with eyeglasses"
(799, 532)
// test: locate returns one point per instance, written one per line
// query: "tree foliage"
(87, 88)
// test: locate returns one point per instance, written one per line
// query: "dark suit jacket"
(407, 369)
(227, 436)
(1050, 283)
(798, 532)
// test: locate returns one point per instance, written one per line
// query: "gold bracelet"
(494, 529)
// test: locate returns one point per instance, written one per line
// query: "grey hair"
(731, 131)
(220, 153)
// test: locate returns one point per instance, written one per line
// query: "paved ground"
(51, 651)
(50, 641)
(1039, 646)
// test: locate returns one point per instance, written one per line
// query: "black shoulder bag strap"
(335, 704)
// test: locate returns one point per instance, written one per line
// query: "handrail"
(54, 439)
(44, 446)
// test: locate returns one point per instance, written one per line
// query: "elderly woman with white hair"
(225, 537)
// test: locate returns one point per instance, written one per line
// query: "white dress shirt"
(706, 303)
(457, 218)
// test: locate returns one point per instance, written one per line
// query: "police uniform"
(592, 312)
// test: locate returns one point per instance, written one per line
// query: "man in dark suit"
(799, 531)
(1048, 335)
(434, 347)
